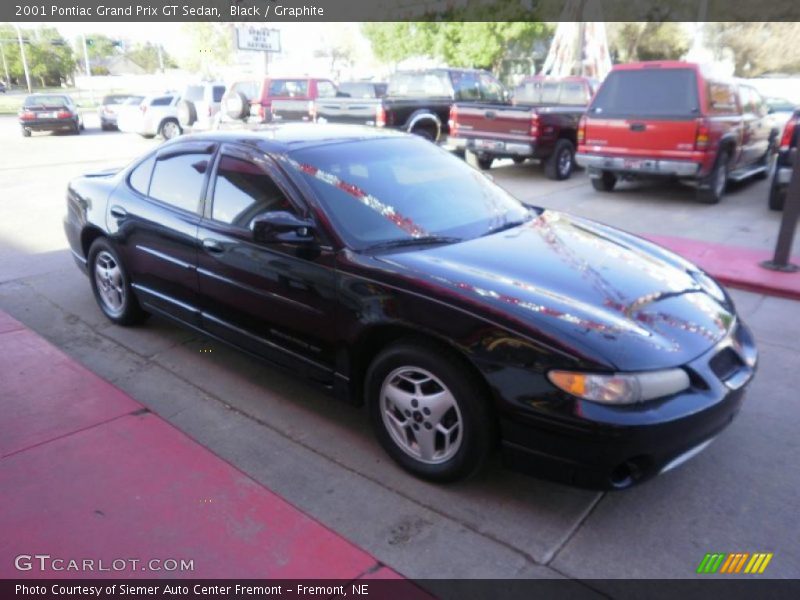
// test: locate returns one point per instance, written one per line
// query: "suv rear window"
(288, 87)
(655, 93)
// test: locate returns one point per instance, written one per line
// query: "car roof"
(293, 136)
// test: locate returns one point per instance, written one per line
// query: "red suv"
(672, 119)
(260, 94)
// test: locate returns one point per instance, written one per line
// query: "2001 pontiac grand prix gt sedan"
(392, 273)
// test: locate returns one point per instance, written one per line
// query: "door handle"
(213, 245)
(118, 212)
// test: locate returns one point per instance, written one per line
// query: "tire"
(715, 182)
(187, 113)
(462, 154)
(170, 129)
(482, 162)
(26, 132)
(561, 162)
(777, 194)
(76, 129)
(768, 161)
(518, 160)
(236, 106)
(462, 411)
(604, 183)
(424, 132)
(111, 285)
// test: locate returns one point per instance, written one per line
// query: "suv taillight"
(701, 135)
(380, 116)
(535, 125)
(582, 130)
(788, 133)
(452, 122)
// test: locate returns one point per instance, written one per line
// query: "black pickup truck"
(541, 123)
(416, 101)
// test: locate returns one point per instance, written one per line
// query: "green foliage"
(146, 56)
(210, 46)
(48, 63)
(757, 48)
(459, 44)
(631, 42)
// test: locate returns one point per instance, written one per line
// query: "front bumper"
(609, 447)
(492, 147)
(637, 166)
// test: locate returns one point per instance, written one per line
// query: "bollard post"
(791, 213)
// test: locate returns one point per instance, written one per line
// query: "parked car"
(154, 115)
(783, 170)
(541, 122)
(199, 105)
(3, 87)
(253, 100)
(781, 110)
(362, 89)
(416, 101)
(673, 119)
(107, 111)
(391, 273)
(49, 112)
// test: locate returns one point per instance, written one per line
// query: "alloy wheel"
(110, 284)
(421, 415)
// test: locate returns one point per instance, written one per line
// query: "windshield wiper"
(508, 225)
(415, 241)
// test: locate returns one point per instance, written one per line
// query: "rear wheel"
(481, 161)
(777, 194)
(518, 160)
(604, 183)
(425, 131)
(714, 185)
(170, 129)
(428, 412)
(26, 132)
(187, 113)
(111, 285)
(560, 163)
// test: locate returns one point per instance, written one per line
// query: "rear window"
(288, 87)
(34, 101)
(655, 93)
(357, 90)
(560, 93)
(434, 84)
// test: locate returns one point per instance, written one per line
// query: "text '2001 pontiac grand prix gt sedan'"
(395, 275)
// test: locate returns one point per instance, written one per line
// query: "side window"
(139, 179)
(178, 180)
(467, 86)
(217, 93)
(325, 89)
(242, 191)
(162, 101)
(721, 98)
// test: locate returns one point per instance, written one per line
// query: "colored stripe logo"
(735, 562)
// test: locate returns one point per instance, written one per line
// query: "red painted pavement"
(85, 473)
(735, 266)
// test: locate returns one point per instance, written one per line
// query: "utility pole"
(24, 58)
(86, 56)
(160, 58)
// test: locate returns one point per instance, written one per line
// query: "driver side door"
(276, 300)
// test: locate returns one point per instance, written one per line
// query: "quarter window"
(139, 179)
(178, 180)
(163, 101)
(242, 191)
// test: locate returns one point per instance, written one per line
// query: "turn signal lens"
(621, 388)
(582, 130)
(788, 133)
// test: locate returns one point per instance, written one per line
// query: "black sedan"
(395, 275)
(49, 112)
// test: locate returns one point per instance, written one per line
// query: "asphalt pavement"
(737, 496)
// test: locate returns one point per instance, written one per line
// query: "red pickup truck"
(673, 119)
(541, 122)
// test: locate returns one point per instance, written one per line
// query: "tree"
(340, 50)
(209, 47)
(757, 48)
(631, 42)
(51, 61)
(460, 44)
(146, 56)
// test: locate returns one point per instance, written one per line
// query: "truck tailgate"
(492, 121)
(667, 138)
(292, 110)
(359, 111)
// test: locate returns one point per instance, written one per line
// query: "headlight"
(621, 388)
(710, 287)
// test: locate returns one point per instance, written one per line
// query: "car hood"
(595, 292)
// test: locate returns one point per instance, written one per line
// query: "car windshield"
(652, 92)
(403, 190)
(45, 101)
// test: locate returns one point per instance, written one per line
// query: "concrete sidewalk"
(88, 473)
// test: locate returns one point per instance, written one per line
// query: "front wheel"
(428, 412)
(111, 285)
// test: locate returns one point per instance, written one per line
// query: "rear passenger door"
(153, 216)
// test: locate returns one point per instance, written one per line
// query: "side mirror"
(280, 227)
